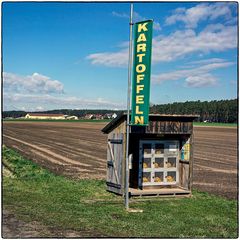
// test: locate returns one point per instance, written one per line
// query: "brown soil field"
(78, 150)
(215, 167)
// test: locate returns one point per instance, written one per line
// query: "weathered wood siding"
(190, 177)
(165, 127)
(184, 175)
(169, 127)
(115, 159)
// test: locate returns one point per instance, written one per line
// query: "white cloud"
(195, 77)
(207, 61)
(110, 59)
(204, 80)
(39, 108)
(204, 11)
(137, 18)
(156, 26)
(214, 38)
(36, 83)
(121, 15)
(34, 102)
(38, 92)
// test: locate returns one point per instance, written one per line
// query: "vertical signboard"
(141, 72)
(185, 152)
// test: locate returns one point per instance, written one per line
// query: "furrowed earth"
(79, 150)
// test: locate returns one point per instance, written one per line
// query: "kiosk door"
(158, 164)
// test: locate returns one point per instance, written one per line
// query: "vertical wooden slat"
(120, 159)
(180, 174)
(123, 155)
(109, 172)
(114, 163)
(191, 164)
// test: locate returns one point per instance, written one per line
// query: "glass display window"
(159, 148)
(159, 162)
(147, 149)
(171, 176)
(158, 177)
(146, 163)
(171, 162)
(146, 177)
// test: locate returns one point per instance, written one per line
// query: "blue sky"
(75, 55)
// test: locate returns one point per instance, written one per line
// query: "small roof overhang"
(152, 117)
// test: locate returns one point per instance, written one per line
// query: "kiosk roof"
(152, 117)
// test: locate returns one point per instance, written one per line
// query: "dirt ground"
(216, 161)
(15, 228)
(78, 150)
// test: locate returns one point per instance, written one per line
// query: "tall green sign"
(141, 72)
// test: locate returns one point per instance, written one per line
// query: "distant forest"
(223, 111)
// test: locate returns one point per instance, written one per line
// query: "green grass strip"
(35, 194)
(215, 124)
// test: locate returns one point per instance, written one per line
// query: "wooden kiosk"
(161, 155)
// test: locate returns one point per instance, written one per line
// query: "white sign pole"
(128, 112)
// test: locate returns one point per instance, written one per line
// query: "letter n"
(139, 120)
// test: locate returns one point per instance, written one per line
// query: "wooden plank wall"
(117, 140)
(172, 127)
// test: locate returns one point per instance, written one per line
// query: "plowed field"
(78, 150)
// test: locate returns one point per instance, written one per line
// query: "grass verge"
(35, 194)
(215, 124)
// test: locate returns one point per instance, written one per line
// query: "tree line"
(223, 111)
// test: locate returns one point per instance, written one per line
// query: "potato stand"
(161, 155)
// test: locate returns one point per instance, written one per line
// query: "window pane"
(159, 163)
(147, 148)
(146, 177)
(158, 177)
(159, 148)
(171, 177)
(172, 148)
(171, 162)
(147, 163)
